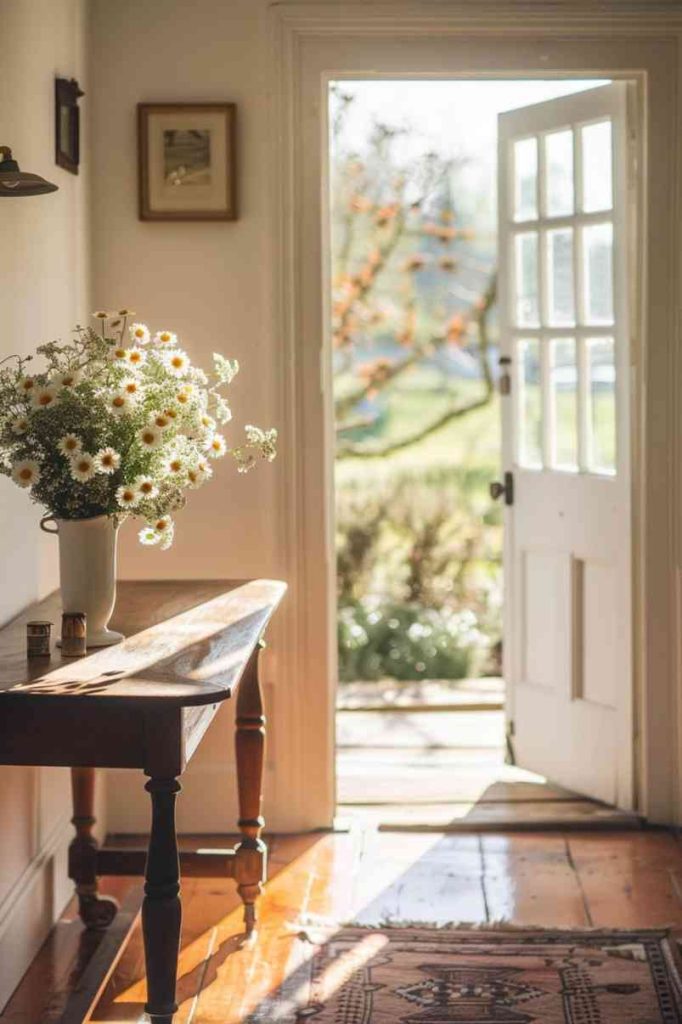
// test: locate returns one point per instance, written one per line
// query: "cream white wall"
(44, 290)
(210, 283)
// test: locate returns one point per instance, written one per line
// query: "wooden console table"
(147, 703)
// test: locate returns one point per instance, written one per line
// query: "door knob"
(503, 488)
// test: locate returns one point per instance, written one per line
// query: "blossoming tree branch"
(117, 423)
(406, 280)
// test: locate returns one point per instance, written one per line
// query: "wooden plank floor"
(618, 879)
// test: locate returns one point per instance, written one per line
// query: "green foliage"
(407, 641)
(418, 564)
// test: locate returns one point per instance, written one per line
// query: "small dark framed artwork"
(67, 123)
(187, 161)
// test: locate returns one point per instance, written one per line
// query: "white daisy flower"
(127, 496)
(166, 339)
(149, 536)
(19, 425)
(171, 413)
(120, 403)
(26, 385)
(195, 477)
(69, 445)
(82, 467)
(176, 362)
(160, 420)
(207, 422)
(216, 446)
(136, 356)
(204, 468)
(43, 397)
(150, 437)
(101, 314)
(183, 397)
(25, 472)
(68, 379)
(139, 334)
(131, 387)
(125, 312)
(145, 487)
(174, 464)
(119, 354)
(107, 460)
(162, 525)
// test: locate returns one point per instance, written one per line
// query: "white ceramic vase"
(87, 570)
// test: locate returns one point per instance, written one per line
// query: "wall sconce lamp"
(14, 182)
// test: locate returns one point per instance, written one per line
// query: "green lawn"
(473, 441)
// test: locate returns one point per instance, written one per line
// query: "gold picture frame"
(187, 161)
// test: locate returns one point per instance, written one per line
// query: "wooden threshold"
(417, 709)
(539, 815)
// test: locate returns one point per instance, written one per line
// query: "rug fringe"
(503, 925)
(317, 929)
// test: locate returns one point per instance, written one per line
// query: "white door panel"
(544, 618)
(564, 328)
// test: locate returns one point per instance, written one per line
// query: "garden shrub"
(407, 642)
(418, 561)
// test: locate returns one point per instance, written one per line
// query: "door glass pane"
(563, 375)
(602, 405)
(526, 274)
(526, 179)
(560, 288)
(598, 273)
(530, 404)
(559, 173)
(597, 170)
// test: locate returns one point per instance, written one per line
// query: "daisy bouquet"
(119, 422)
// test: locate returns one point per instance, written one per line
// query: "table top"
(187, 643)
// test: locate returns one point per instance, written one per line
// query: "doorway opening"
(440, 315)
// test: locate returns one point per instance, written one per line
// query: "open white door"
(563, 219)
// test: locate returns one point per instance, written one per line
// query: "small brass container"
(74, 634)
(38, 639)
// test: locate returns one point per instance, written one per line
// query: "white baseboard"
(31, 908)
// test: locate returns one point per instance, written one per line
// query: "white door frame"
(313, 43)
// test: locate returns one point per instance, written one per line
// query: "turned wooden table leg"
(96, 912)
(161, 911)
(251, 854)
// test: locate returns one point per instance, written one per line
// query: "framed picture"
(187, 161)
(67, 123)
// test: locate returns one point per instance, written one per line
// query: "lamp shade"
(14, 182)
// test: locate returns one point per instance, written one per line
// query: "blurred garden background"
(413, 168)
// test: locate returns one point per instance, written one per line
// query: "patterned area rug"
(448, 976)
